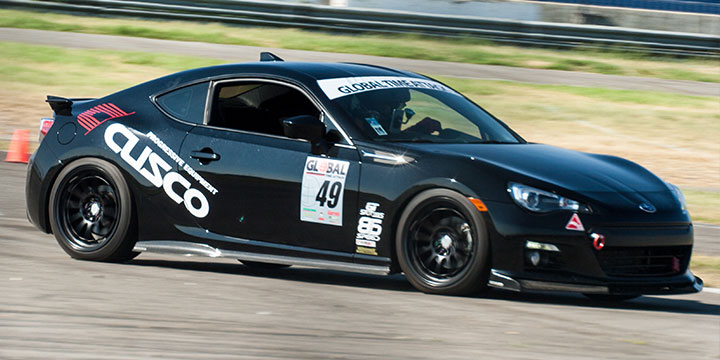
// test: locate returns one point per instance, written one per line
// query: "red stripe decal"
(93, 121)
(118, 109)
(83, 124)
(110, 111)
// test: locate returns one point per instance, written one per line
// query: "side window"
(424, 105)
(187, 103)
(257, 106)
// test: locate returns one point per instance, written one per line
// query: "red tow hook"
(598, 241)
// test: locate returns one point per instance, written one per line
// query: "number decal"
(335, 190)
(321, 197)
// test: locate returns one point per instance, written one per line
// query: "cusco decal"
(339, 87)
(323, 185)
(369, 229)
(156, 170)
(88, 119)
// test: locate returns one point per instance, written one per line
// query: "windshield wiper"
(410, 140)
(492, 142)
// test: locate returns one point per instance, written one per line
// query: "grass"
(703, 205)
(466, 50)
(673, 135)
(707, 268)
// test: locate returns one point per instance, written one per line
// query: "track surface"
(238, 53)
(53, 307)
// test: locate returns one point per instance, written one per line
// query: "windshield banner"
(335, 88)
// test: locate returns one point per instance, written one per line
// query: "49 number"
(329, 193)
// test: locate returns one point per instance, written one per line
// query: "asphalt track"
(53, 307)
(237, 53)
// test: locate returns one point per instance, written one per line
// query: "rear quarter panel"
(157, 215)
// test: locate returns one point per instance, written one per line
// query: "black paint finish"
(258, 178)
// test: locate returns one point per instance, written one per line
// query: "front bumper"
(685, 284)
(640, 255)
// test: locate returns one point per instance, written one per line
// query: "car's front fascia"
(607, 244)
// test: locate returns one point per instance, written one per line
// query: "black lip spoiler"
(61, 105)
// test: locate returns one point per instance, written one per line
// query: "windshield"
(429, 112)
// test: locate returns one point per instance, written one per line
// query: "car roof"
(297, 70)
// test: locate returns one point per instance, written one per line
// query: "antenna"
(268, 56)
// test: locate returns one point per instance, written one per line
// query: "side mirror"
(305, 127)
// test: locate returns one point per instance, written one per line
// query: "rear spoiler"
(61, 105)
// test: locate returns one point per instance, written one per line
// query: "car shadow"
(310, 275)
(397, 282)
(672, 304)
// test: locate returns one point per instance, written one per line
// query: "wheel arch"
(131, 182)
(413, 207)
(412, 192)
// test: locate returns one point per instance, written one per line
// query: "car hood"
(606, 179)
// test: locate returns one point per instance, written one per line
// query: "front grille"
(644, 261)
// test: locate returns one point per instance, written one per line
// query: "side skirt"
(197, 249)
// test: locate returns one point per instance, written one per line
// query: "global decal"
(339, 87)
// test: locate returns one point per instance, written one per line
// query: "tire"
(442, 244)
(262, 265)
(91, 212)
(608, 298)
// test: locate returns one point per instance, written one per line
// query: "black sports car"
(350, 167)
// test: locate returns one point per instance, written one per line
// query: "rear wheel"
(91, 212)
(442, 244)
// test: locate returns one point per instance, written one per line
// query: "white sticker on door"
(323, 185)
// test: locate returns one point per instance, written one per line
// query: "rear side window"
(187, 104)
(257, 106)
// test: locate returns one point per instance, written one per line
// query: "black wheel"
(91, 212)
(262, 265)
(442, 244)
(608, 298)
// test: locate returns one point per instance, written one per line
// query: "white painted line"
(707, 226)
(711, 290)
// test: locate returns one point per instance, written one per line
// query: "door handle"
(205, 155)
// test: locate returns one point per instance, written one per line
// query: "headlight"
(678, 194)
(542, 201)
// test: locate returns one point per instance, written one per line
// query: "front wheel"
(442, 244)
(91, 212)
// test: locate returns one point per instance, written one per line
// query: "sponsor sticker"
(369, 228)
(376, 126)
(157, 171)
(323, 187)
(575, 223)
(339, 87)
(366, 250)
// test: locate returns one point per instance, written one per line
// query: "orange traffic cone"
(18, 147)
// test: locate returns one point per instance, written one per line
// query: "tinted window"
(257, 106)
(187, 103)
(422, 115)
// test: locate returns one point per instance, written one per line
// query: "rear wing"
(61, 105)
